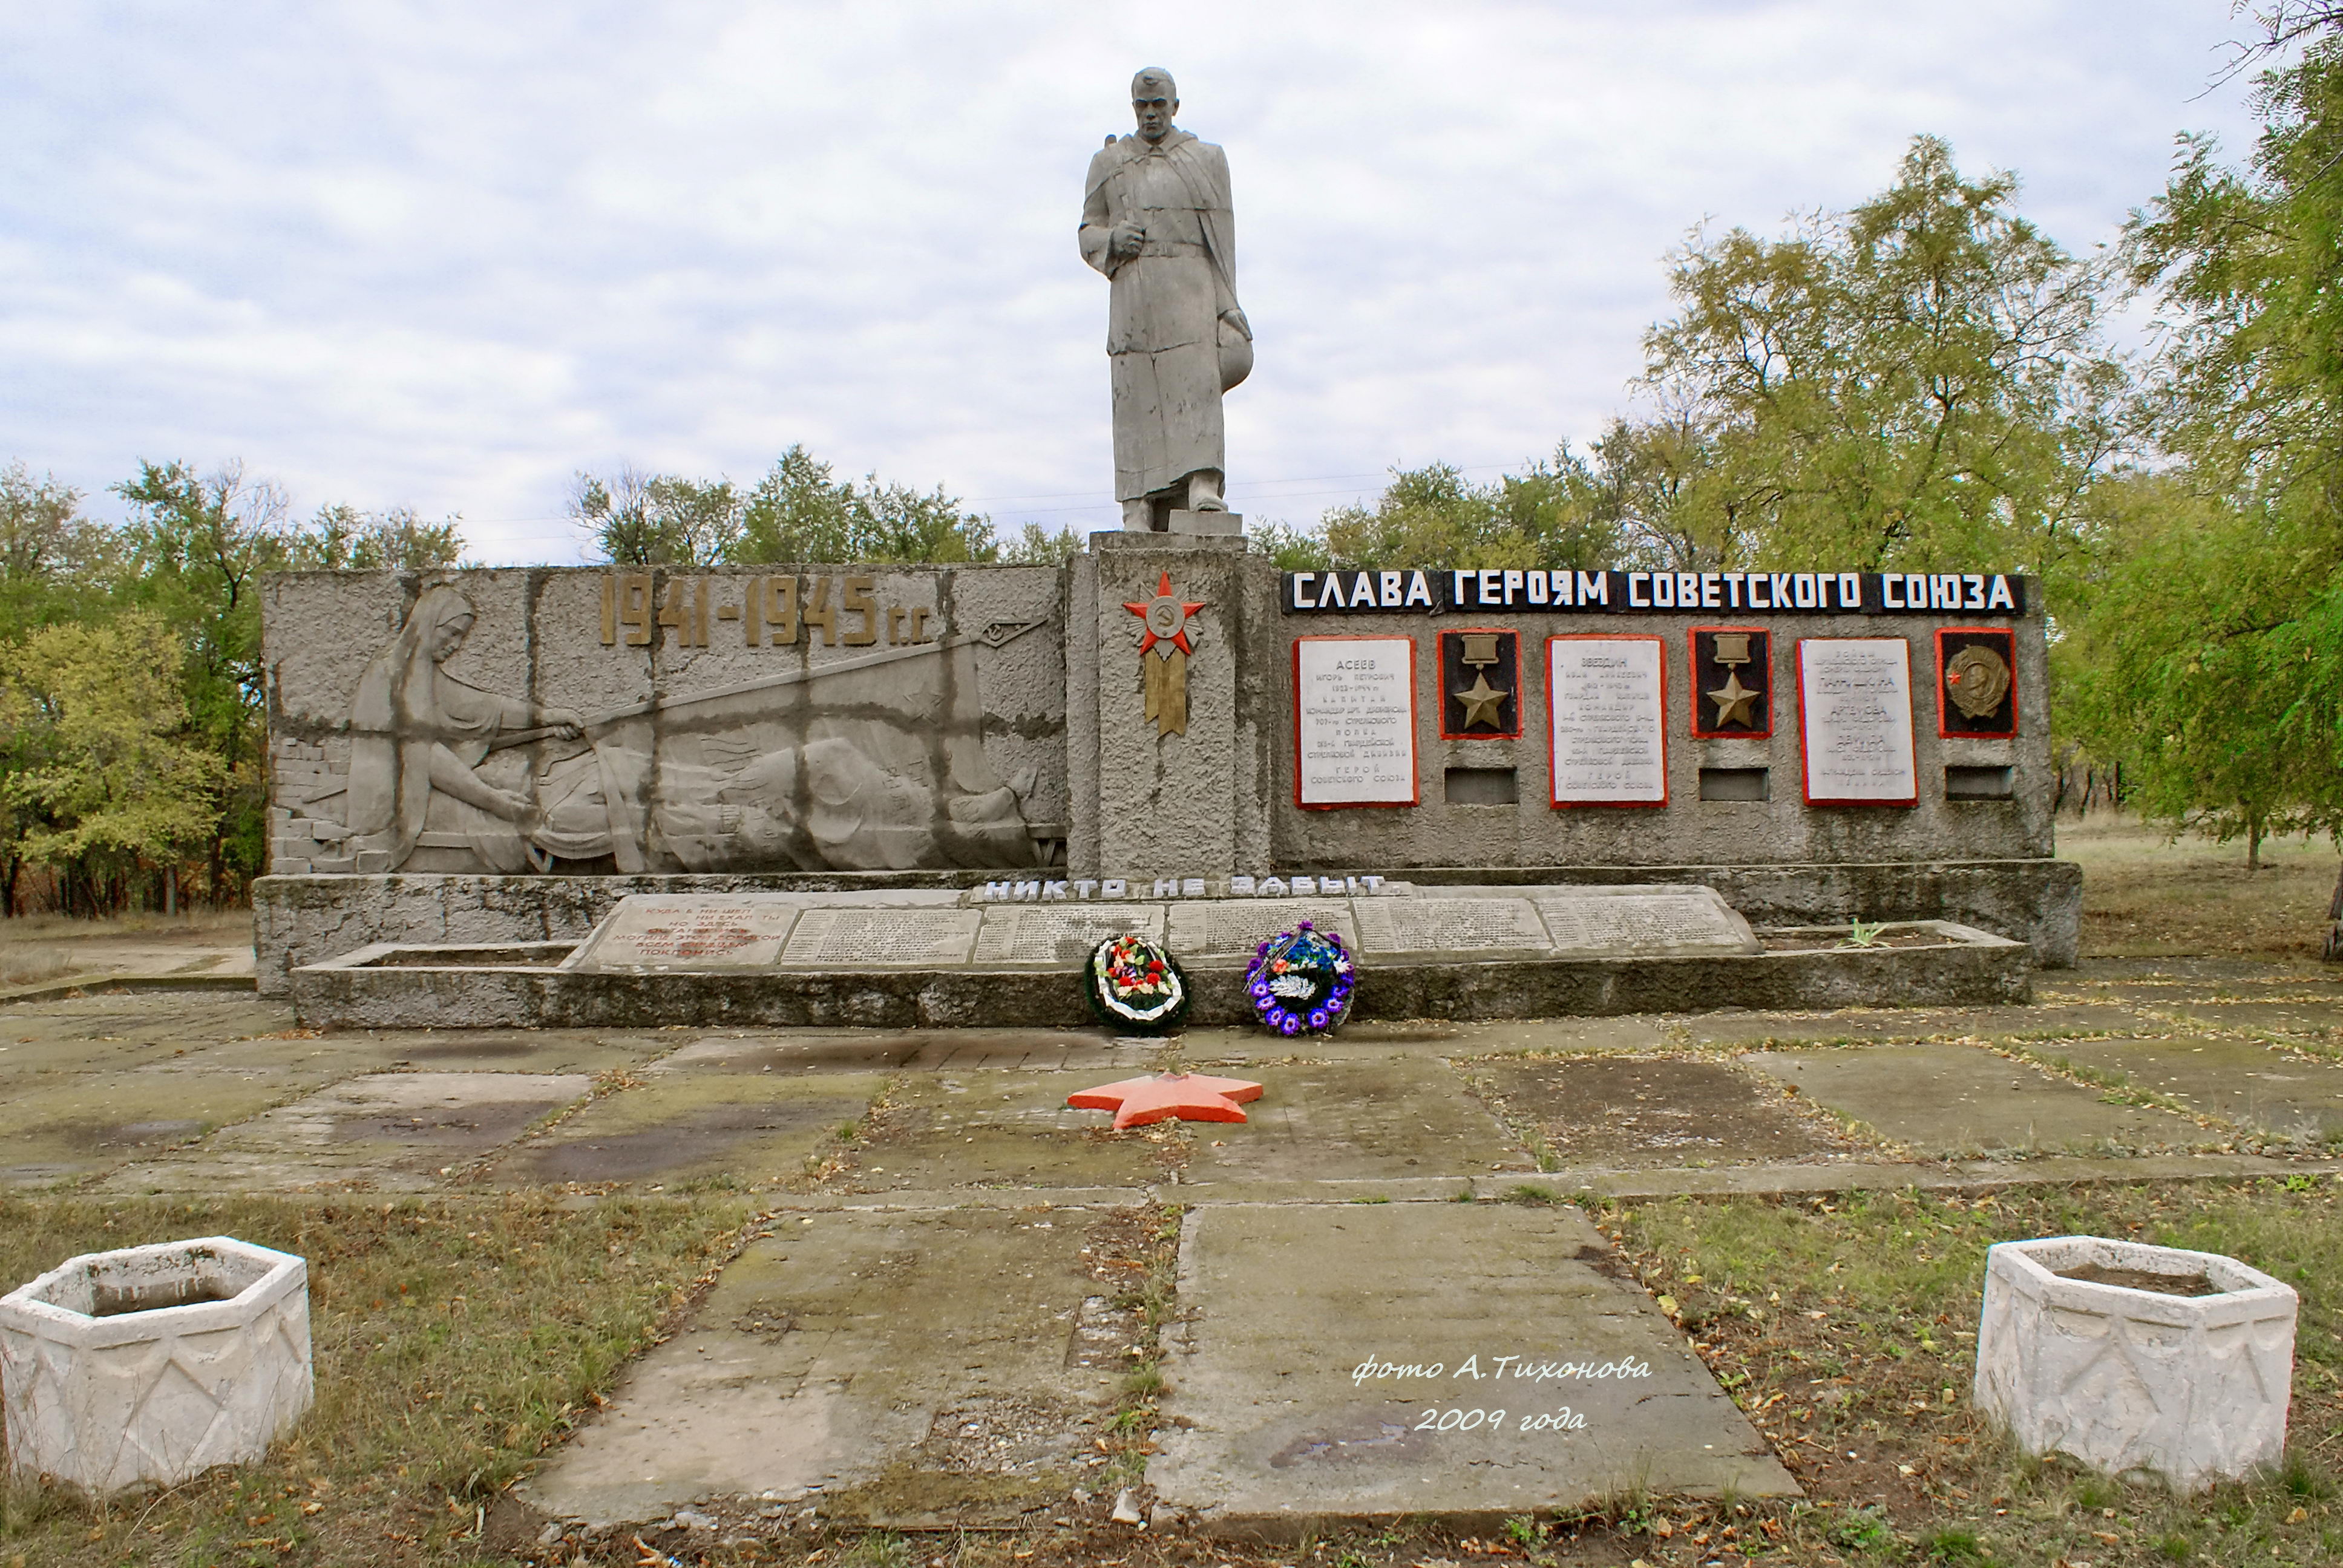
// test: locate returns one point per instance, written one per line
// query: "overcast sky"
(444, 256)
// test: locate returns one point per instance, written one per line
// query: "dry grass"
(2145, 898)
(217, 925)
(454, 1340)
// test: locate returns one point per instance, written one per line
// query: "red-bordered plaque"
(1855, 721)
(1977, 681)
(1480, 675)
(1354, 722)
(1606, 720)
(1732, 669)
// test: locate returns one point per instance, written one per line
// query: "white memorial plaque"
(874, 938)
(1694, 919)
(690, 931)
(1423, 925)
(1234, 927)
(1855, 721)
(1607, 707)
(1059, 934)
(1354, 720)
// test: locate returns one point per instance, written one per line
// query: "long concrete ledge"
(516, 985)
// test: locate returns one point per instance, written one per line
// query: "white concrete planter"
(2186, 1389)
(152, 1364)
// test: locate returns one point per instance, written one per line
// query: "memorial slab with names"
(839, 938)
(1608, 710)
(1354, 720)
(1060, 936)
(1657, 920)
(1439, 925)
(1855, 721)
(717, 931)
(1232, 929)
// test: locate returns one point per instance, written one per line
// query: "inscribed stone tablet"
(1607, 712)
(1233, 928)
(1855, 721)
(874, 938)
(1693, 918)
(1449, 926)
(1354, 720)
(1059, 934)
(689, 931)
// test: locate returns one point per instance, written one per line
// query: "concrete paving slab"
(1349, 1120)
(2253, 1085)
(1899, 1023)
(1004, 1128)
(394, 1131)
(1960, 1099)
(914, 1370)
(2317, 1022)
(107, 1033)
(79, 1123)
(679, 1126)
(1631, 1112)
(1272, 1429)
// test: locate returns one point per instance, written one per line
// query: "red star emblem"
(1166, 619)
(1188, 1096)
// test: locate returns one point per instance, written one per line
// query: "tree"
(193, 549)
(1553, 514)
(103, 775)
(2217, 636)
(659, 519)
(1920, 381)
(799, 512)
(53, 561)
(343, 538)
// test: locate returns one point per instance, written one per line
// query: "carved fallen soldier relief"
(874, 761)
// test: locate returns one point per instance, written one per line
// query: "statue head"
(1154, 100)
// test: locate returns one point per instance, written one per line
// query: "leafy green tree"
(800, 511)
(1553, 514)
(193, 552)
(104, 774)
(54, 564)
(342, 539)
(1919, 381)
(641, 519)
(1037, 547)
(2215, 665)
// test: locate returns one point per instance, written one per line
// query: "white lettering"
(1302, 582)
(1392, 592)
(1538, 587)
(1240, 887)
(2000, 598)
(1419, 592)
(1632, 602)
(1114, 888)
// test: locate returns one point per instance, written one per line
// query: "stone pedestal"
(1148, 803)
(147, 1366)
(1211, 524)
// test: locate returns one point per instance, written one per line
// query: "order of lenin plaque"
(1354, 722)
(1606, 705)
(1855, 721)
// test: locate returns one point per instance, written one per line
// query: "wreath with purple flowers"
(1302, 979)
(1134, 984)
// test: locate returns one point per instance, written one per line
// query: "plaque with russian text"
(1354, 722)
(1855, 721)
(1606, 708)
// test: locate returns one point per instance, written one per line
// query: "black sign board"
(1420, 591)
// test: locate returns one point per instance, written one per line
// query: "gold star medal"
(1735, 703)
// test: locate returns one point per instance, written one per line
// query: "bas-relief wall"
(584, 720)
(1687, 830)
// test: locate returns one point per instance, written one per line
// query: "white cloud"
(443, 256)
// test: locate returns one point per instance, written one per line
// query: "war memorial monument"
(840, 794)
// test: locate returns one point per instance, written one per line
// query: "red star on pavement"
(1166, 620)
(1188, 1096)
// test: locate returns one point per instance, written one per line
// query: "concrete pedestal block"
(2140, 1383)
(147, 1366)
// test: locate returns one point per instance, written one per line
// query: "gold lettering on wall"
(772, 610)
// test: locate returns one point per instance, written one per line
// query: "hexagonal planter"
(152, 1364)
(2147, 1363)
